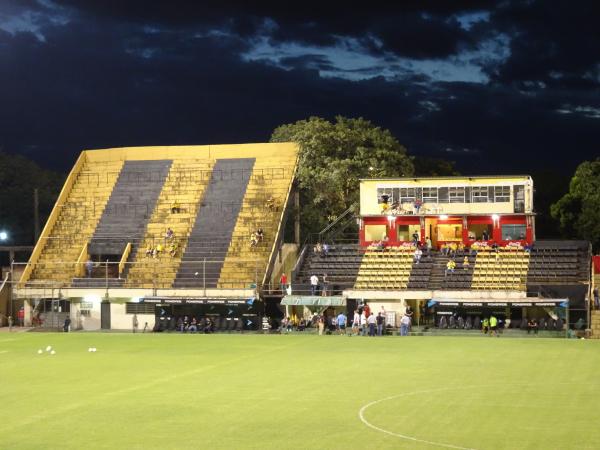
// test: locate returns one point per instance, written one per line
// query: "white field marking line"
(93, 400)
(403, 436)
(362, 410)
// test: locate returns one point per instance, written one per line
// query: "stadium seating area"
(341, 265)
(385, 269)
(76, 221)
(184, 187)
(118, 202)
(559, 262)
(505, 269)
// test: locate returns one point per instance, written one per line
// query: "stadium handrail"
(80, 265)
(279, 232)
(123, 261)
(62, 198)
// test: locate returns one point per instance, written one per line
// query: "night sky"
(498, 87)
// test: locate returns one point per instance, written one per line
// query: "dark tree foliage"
(578, 211)
(19, 177)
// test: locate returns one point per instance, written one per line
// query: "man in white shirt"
(372, 320)
(355, 322)
(363, 323)
(314, 284)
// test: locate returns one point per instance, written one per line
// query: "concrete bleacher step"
(129, 207)
(214, 225)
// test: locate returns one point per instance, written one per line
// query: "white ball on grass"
(48, 348)
(40, 351)
(52, 352)
(89, 349)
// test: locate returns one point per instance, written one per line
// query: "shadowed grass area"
(253, 391)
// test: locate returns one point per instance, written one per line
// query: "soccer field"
(169, 391)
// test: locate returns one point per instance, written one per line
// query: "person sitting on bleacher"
(260, 234)
(157, 251)
(271, 203)
(253, 240)
(173, 249)
(417, 256)
(466, 263)
(169, 234)
(149, 251)
(175, 207)
(318, 249)
(450, 265)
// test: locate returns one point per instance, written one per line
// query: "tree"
(578, 211)
(334, 156)
(19, 177)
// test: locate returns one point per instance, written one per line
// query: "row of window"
(455, 194)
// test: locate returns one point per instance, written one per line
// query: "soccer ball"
(52, 352)
(40, 351)
(48, 348)
(90, 349)
(196, 274)
(94, 349)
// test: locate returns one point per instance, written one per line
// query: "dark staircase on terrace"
(129, 207)
(213, 229)
(124, 218)
(460, 280)
(341, 265)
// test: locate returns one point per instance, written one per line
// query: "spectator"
(417, 255)
(418, 204)
(466, 263)
(356, 323)
(173, 248)
(253, 239)
(363, 323)
(485, 236)
(175, 207)
(169, 234)
(67, 325)
(89, 268)
(149, 251)
(260, 234)
(321, 325)
(372, 322)
(325, 290)
(283, 282)
(450, 265)
(596, 299)
(404, 325)
(380, 320)
(415, 238)
(193, 326)
(325, 249)
(134, 323)
(270, 204)
(428, 245)
(532, 326)
(318, 249)
(158, 250)
(314, 284)
(341, 323)
(21, 316)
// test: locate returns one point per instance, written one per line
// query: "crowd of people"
(364, 322)
(168, 245)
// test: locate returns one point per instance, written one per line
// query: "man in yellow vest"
(493, 326)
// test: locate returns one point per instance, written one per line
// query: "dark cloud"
(153, 73)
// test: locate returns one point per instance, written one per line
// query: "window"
(456, 194)
(479, 194)
(139, 308)
(375, 232)
(430, 195)
(384, 191)
(513, 232)
(502, 194)
(405, 232)
(407, 195)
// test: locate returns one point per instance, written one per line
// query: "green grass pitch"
(170, 391)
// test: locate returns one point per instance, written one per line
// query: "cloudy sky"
(496, 86)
